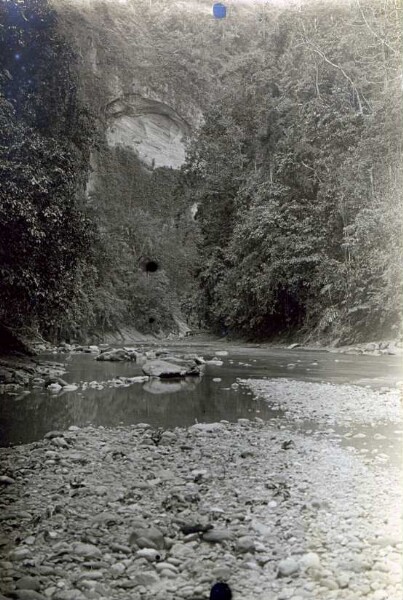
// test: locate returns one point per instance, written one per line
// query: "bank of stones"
(119, 513)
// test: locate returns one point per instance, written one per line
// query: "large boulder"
(118, 355)
(171, 368)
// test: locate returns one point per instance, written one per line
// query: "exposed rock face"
(153, 130)
(147, 93)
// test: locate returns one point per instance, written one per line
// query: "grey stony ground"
(106, 513)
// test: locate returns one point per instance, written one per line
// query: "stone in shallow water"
(171, 368)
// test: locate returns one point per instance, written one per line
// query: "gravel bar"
(132, 512)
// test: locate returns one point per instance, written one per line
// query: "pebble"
(146, 579)
(288, 566)
(217, 536)
(318, 504)
(86, 550)
(29, 595)
(245, 544)
(150, 554)
(343, 580)
(310, 561)
(28, 583)
(150, 537)
(20, 554)
(5, 480)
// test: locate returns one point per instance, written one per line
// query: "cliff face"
(151, 129)
(143, 86)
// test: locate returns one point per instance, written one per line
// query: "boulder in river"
(171, 368)
(118, 355)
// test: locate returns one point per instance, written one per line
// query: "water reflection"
(162, 404)
(27, 417)
(158, 386)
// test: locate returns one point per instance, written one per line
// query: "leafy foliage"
(298, 173)
(46, 241)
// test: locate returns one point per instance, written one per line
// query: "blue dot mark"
(17, 56)
(219, 10)
(220, 591)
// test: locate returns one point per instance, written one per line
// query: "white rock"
(86, 550)
(310, 561)
(150, 554)
(288, 566)
(70, 388)
(54, 387)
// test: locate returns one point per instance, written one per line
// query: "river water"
(27, 416)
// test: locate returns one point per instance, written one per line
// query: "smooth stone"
(146, 579)
(69, 595)
(20, 554)
(117, 569)
(28, 583)
(310, 560)
(86, 550)
(162, 566)
(343, 580)
(245, 544)
(206, 427)
(149, 554)
(330, 584)
(5, 480)
(150, 537)
(59, 442)
(170, 368)
(287, 566)
(29, 595)
(223, 573)
(216, 536)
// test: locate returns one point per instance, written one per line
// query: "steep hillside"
(47, 241)
(243, 174)
(298, 173)
(147, 73)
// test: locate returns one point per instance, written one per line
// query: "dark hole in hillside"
(148, 264)
(151, 320)
(151, 266)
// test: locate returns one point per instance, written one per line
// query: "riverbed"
(277, 472)
(27, 415)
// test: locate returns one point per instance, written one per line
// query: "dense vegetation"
(298, 175)
(46, 240)
(296, 168)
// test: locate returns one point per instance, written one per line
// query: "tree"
(46, 238)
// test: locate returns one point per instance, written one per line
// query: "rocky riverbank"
(98, 513)
(19, 371)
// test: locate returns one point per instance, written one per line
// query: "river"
(29, 415)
